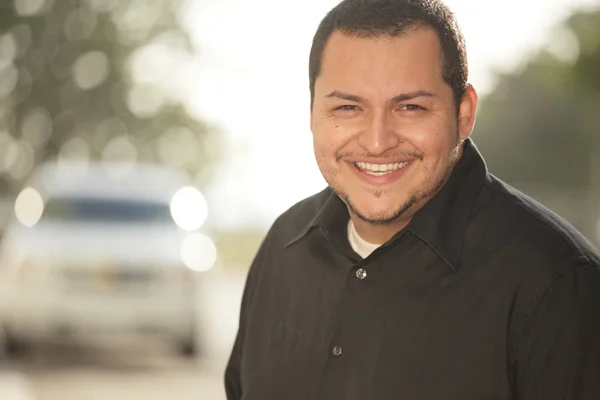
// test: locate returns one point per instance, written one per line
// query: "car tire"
(188, 348)
(188, 340)
(189, 344)
(14, 347)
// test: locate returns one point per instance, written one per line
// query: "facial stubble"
(414, 198)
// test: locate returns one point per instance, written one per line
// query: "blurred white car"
(103, 249)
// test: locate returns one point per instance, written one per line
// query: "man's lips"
(379, 167)
(379, 173)
(380, 161)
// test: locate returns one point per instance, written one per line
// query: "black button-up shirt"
(484, 295)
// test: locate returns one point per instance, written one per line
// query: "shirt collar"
(331, 218)
(441, 223)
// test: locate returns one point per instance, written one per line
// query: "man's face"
(384, 122)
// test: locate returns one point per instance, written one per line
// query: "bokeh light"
(8, 49)
(146, 101)
(29, 207)
(36, 127)
(75, 149)
(91, 69)
(80, 24)
(178, 147)
(189, 208)
(9, 76)
(119, 156)
(198, 252)
(30, 8)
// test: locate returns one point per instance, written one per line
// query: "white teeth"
(379, 169)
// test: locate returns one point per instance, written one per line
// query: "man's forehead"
(339, 36)
(419, 47)
(342, 47)
(368, 68)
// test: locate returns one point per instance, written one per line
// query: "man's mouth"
(379, 169)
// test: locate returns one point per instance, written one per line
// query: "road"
(132, 368)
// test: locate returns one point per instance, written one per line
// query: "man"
(416, 274)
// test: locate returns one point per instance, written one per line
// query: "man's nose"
(379, 134)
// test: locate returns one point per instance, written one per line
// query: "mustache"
(389, 154)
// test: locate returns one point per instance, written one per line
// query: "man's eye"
(412, 107)
(346, 107)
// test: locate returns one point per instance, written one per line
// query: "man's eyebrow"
(346, 96)
(397, 99)
(412, 95)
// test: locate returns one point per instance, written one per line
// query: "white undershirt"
(360, 246)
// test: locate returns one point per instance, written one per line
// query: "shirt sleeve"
(233, 372)
(558, 356)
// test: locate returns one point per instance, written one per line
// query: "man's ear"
(467, 113)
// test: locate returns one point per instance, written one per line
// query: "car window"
(106, 210)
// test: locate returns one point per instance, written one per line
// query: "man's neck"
(377, 234)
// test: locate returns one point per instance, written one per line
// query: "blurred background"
(147, 145)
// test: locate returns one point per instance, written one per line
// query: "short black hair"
(380, 18)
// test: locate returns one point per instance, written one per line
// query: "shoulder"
(527, 247)
(526, 232)
(545, 263)
(296, 220)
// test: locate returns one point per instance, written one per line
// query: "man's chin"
(370, 211)
(378, 218)
(382, 216)
(377, 211)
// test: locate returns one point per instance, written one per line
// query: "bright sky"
(253, 83)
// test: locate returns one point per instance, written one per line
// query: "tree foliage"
(96, 79)
(541, 124)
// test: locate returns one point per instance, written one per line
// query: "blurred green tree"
(586, 71)
(97, 79)
(539, 129)
(547, 113)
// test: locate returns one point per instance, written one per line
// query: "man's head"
(389, 92)
(395, 18)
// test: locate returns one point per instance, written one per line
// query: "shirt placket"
(343, 347)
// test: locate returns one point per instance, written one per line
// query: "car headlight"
(198, 252)
(189, 209)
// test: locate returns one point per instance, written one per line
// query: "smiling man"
(415, 274)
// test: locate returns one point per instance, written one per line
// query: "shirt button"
(361, 274)
(337, 351)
